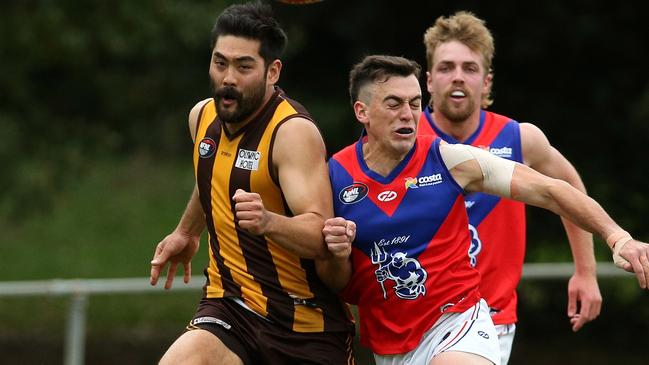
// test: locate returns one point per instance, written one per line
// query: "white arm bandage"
(496, 172)
(616, 241)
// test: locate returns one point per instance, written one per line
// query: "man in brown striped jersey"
(262, 191)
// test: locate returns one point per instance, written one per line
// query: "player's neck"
(382, 158)
(460, 130)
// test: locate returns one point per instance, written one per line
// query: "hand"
(339, 234)
(249, 210)
(636, 254)
(584, 300)
(175, 248)
(381, 275)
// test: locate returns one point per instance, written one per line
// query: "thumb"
(351, 229)
(237, 193)
(160, 257)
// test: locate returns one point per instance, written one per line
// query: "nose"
(458, 75)
(229, 77)
(405, 112)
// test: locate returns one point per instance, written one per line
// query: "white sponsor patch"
(248, 160)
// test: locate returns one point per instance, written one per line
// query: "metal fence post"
(75, 336)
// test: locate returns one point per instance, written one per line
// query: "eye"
(472, 68)
(415, 105)
(393, 105)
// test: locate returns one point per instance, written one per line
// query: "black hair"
(373, 68)
(252, 20)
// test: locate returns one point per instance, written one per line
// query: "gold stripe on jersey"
(230, 242)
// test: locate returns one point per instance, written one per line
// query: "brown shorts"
(258, 341)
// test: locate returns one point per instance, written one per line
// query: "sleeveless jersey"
(410, 252)
(497, 225)
(273, 282)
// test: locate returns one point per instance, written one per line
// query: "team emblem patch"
(206, 148)
(353, 193)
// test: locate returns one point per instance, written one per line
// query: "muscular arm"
(542, 157)
(181, 245)
(477, 170)
(582, 287)
(299, 159)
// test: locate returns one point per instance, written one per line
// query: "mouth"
(458, 95)
(405, 131)
(228, 96)
(225, 101)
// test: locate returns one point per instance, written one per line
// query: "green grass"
(105, 225)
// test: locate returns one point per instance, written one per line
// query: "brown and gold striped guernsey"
(276, 284)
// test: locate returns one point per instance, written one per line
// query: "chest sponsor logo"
(387, 196)
(421, 181)
(206, 148)
(248, 160)
(353, 193)
(504, 152)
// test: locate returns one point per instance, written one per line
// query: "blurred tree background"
(96, 154)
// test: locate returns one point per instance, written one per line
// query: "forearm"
(581, 245)
(301, 234)
(335, 273)
(583, 212)
(192, 222)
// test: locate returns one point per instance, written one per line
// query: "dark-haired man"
(263, 194)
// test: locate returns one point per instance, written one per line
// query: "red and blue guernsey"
(497, 225)
(410, 253)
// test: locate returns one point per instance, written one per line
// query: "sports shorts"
(472, 331)
(257, 340)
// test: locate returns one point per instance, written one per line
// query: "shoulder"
(534, 143)
(298, 137)
(194, 114)
(297, 127)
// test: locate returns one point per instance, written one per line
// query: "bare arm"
(299, 159)
(582, 287)
(181, 245)
(492, 175)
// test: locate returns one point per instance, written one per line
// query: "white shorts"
(471, 331)
(506, 334)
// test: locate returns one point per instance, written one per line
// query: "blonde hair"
(471, 31)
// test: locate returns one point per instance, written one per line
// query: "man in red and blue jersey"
(399, 242)
(459, 52)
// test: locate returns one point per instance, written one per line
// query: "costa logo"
(206, 148)
(353, 193)
(387, 196)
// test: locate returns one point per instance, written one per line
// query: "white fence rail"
(80, 289)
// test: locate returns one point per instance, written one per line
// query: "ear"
(274, 69)
(429, 82)
(361, 111)
(488, 82)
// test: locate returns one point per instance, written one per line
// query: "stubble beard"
(457, 115)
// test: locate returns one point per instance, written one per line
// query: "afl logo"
(387, 196)
(206, 148)
(353, 193)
